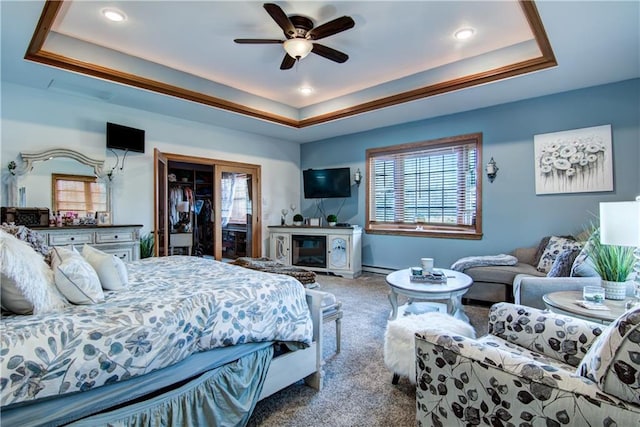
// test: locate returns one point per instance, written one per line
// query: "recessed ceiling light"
(305, 90)
(113, 15)
(464, 33)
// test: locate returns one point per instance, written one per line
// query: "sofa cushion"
(503, 274)
(613, 361)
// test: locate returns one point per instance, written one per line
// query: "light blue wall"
(513, 215)
(37, 120)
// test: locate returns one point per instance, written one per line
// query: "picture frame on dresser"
(104, 218)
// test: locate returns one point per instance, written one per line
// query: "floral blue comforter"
(173, 307)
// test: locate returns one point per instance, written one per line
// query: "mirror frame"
(28, 159)
(28, 162)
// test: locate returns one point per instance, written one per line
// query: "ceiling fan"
(300, 36)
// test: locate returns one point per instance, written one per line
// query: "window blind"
(79, 194)
(424, 185)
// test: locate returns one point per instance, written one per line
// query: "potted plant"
(146, 245)
(332, 219)
(297, 219)
(614, 264)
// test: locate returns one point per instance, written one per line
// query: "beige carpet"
(357, 385)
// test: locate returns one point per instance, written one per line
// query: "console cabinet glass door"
(280, 247)
(236, 215)
(339, 252)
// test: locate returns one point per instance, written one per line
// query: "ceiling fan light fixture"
(464, 33)
(298, 48)
(305, 90)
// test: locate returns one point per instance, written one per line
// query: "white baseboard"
(377, 270)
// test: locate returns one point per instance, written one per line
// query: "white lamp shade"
(620, 223)
(298, 48)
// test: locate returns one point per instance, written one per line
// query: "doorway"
(206, 207)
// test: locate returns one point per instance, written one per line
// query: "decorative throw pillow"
(555, 247)
(111, 270)
(562, 265)
(26, 281)
(32, 238)
(75, 277)
(541, 247)
(583, 265)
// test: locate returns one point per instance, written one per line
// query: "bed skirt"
(221, 377)
(224, 396)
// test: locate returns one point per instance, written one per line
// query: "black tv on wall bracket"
(121, 137)
(326, 183)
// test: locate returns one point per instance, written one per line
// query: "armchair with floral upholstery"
(533, 368)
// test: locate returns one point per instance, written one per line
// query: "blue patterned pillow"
(563, 263)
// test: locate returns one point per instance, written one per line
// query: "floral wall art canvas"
(574, 161)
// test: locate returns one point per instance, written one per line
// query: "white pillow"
(111, 270)
(26, 281)
(75, 277)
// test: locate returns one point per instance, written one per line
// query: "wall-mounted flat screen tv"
(326, 183)
(121, 137)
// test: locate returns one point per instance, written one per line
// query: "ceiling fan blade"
(258, 41)
(329, 53)
(287, 62)
(331, 28)
(278, 15)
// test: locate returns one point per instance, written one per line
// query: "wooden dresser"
(120, 240)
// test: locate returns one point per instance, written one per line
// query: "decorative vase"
(332, 224)
(614, 290)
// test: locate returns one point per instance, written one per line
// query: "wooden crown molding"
(51, 8)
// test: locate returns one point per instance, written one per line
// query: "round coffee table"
(457, 284)
(566, 302)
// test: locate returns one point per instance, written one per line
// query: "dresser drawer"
(56, 239)
(114, 236)
(125, 254)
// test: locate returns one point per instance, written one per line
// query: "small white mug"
(427, 265)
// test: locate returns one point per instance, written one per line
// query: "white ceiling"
(395, 47)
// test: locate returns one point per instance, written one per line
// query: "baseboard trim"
(377, 270)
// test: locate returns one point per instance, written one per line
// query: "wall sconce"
(492, 170)
(357, 177)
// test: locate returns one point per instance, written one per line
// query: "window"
(78, 193)
(236, 199)
(429, 188)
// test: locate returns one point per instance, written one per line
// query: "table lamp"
(620, 226)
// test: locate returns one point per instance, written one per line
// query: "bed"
(189, 341)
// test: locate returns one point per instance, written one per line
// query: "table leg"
(393, 299)
(455, 308)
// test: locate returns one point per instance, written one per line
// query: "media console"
(334, 250)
